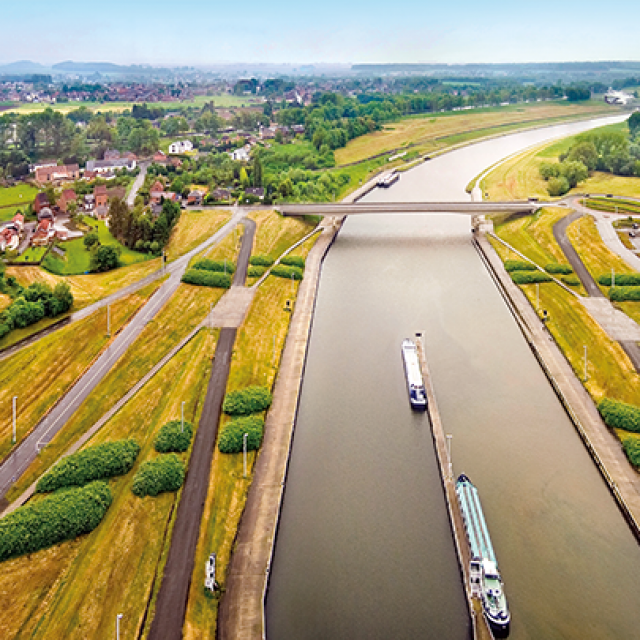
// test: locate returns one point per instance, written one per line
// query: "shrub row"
(620, 294)
(519, 265)
(529, 277)
(572, 280)
(256, 272)
(260, 261)
(243, 402)
(204, 278)
(205, 264)
(99, 462)
(620, 415)
(171, 437)
(56, 518)
(622, 280)
(232, 436)
(293, 261)
(165, 473)
(283, 271)
(631, 448)
(554, 267)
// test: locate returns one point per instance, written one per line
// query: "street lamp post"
(244, 455)
(118, 618)
(13, 402)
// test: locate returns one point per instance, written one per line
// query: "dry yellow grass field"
(193, 228)
(276, 233)
(5, 301)
(429, 128)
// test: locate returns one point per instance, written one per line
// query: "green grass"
(21, 195)
(32, 254)
(7, 213)
(77, 258)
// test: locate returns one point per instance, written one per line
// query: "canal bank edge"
(602, 445)
(241, 615)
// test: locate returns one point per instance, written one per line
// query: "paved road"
(171, 604)
(138, 182)
(22, 456)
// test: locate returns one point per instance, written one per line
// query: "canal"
(364, 548)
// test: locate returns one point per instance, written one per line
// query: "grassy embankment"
(519, 177)
(194, 228)
(81, 585)
(253, 362)
(42, 373)
(610, 373)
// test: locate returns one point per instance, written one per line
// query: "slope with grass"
(429, 131)
(193, 228)
(276, 233)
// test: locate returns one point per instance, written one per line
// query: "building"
(159, 157)
(66, 198)
(181, 146)
(241, 154)
(43, 234)
(41, 201)
(101, 196)
(57, 173)
(257, 192)
(103, 167)
(195, 197)
(9, 239)
(45, 214)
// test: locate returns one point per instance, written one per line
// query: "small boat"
(387, 179)
(483, 566)
(415, 384)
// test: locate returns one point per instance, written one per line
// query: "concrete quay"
(481, 629)
(605, 449)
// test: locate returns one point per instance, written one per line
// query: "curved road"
(22, 455)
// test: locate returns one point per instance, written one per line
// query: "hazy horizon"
(200, 33)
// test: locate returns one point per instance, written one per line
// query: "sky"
(201, 32)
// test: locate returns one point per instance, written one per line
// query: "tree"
(91, 239)
(558, 186)
(244, 178)
(105, 258)
(586, 153)
(634, 123)
(574, 172)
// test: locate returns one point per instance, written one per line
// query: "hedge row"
(204, 278)
(99, 462)
(232, 436)
(260, 261)
(56, 518)
(519, 265)
(620, 294)
(622, 280)
(165, 473)
(172, 438)
(205, 264)
(256, 272)
(631, 448)
(554, 267)
(293, 261)
(283, 271)
(246, 401)
(620, 415)
(572, 281)
(529, 277)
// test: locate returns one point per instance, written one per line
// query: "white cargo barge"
(387, 179)
(413, 373)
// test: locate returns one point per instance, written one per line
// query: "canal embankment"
(481, 630)
(602, 445)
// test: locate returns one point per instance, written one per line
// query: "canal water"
(364, 548)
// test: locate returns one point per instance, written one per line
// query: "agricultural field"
(432, 132)
(19, 196)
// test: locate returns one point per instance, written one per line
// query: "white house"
(241, 154)
(181, 146)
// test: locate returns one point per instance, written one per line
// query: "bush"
(530, 277)
(59, 517)
(620, 294)
(558, 186)
(549, 170)
(256, 272)
(99, 462)
(206, 264)
(260, 261)
(231, 438)
(246, 401)
(631, 448)
(519, 265)
(283, 271)
(572, 280)
(554, 267)
(165, 473)
(204, 278)
(620, 415)
(622, 279)
(293, 261)
(171, 438)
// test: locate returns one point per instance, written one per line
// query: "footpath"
(605, 449)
